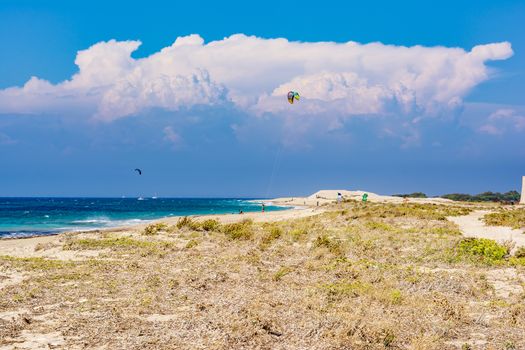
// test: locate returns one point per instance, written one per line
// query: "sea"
(26, 217)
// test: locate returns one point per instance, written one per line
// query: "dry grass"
(373, 276)
(511, 218)
(154, 229)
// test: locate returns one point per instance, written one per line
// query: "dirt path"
(472, 226)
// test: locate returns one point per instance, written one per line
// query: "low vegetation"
(154, 229)
(411, 195)
(186, 222)
(511, 218)
(486, 250)
(511, 196)
(408, 210)
(35, 263)
(238, 230)
(209, 225)
(191, 224)
(356, 276)
(115, 243)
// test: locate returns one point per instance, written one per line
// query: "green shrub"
(333, 246)
(275, 232)
(298, 233)
(153, 229)
(272, 233)
(191, 243)
(206, 225)
(485, 249)
(510, 218)
(185, 221)
(396, 296)
(210, 225)
(238, 230)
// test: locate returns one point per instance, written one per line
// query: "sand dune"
(329, 196)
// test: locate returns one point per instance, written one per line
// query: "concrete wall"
(522, 199)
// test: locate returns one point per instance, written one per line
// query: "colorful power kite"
(292, 95)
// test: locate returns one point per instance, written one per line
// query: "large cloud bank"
(254, 75)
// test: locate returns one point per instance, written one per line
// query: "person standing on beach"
(262, 205)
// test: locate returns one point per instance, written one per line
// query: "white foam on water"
(107, 222)
(91, 221)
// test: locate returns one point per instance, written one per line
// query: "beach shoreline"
(253, 275)
(299, 207)
(108, 220)
(28, 246)
(294, 204)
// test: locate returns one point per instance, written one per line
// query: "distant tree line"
(411, 195)
(510, 196)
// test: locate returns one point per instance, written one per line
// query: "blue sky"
(214, 135)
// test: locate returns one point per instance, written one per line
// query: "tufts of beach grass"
(349, 276)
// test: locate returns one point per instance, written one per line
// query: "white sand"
(472, 226)
(329, 196)
(29, 247)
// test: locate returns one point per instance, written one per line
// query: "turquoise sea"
(22, 217)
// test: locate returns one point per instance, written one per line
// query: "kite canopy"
(138, 171)
(292, 95)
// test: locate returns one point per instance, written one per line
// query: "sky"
(396, 97)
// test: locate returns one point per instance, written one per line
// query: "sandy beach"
(300, 207)
(330, 196)
(28, 247)
(386, 273)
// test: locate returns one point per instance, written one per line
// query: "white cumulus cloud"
(254, 74)
(502, 121)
